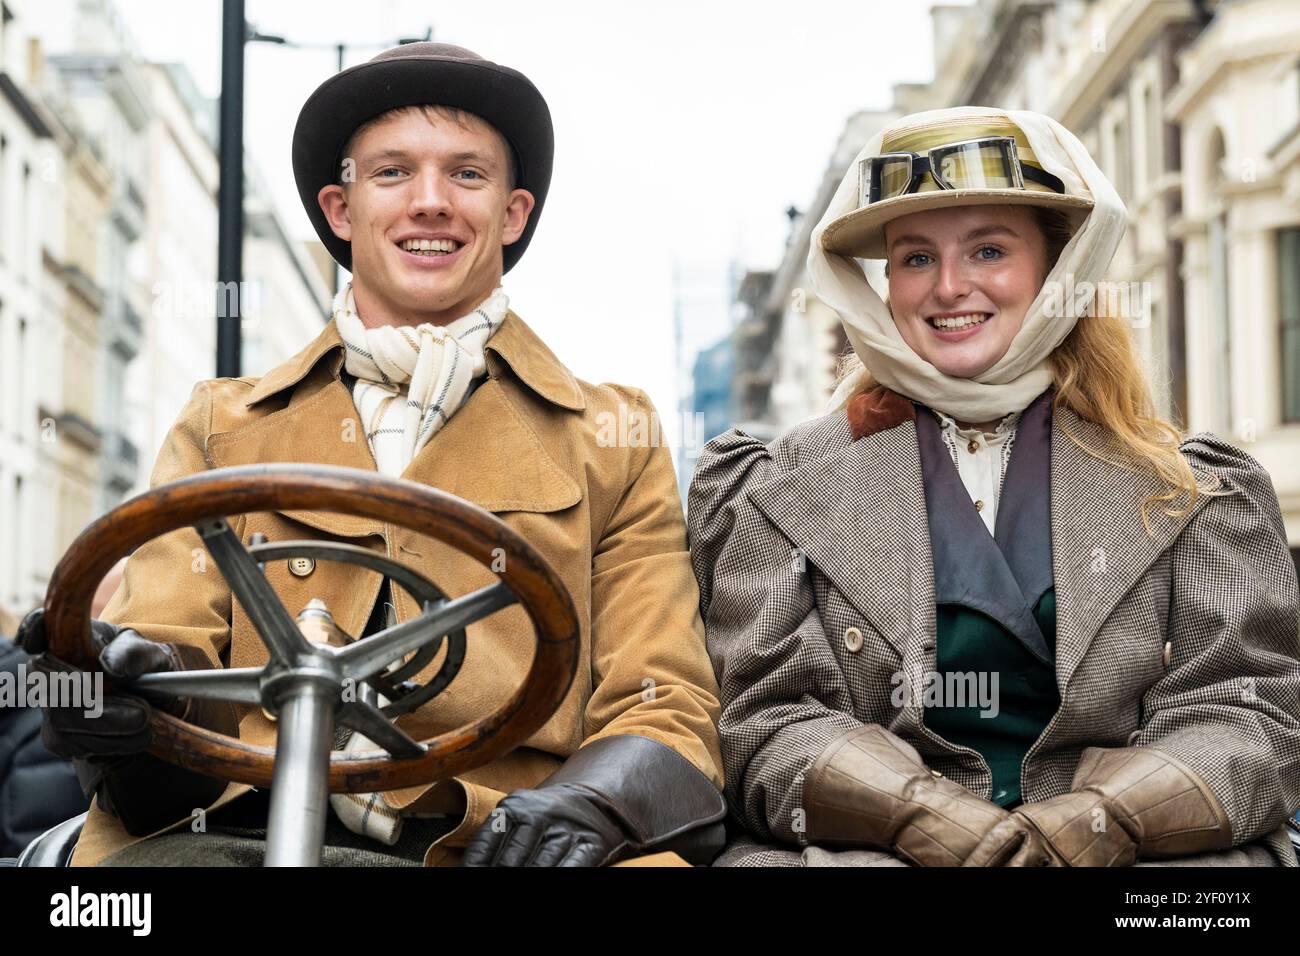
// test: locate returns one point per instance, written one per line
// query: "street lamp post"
(235, 33)
(230, 191)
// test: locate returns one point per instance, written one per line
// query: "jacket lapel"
(859, 515)
(488, 453)
(970, 567)
(323, 428)
(1099, 547)
(1023, 530)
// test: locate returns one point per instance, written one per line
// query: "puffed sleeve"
(784, 697)
(1229, 705)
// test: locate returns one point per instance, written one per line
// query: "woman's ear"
(333, 202)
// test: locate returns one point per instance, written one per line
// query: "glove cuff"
(1167, 808)
(870, 787)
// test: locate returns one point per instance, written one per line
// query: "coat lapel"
(859, 515)
(971, 568)
(488, 453)
(1099, 546)
(324, 428)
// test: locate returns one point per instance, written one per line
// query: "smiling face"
(427, 213)
(961, 280)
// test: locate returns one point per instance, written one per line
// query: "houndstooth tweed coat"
(797, 543)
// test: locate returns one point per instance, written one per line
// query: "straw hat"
(861, 232)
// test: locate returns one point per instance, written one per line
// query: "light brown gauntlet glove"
(871, 788)
(1126, 803)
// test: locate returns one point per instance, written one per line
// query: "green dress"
(1025, 698)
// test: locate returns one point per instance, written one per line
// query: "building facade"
(108, 292)
(1236, 107)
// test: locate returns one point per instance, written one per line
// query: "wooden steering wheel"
(303, 681)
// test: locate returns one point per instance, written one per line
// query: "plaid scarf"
(409, 382)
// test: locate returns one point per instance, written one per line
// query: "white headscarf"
(1023, 373)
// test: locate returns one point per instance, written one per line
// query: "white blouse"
(981, 460)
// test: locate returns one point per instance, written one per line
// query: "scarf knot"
(410, 380)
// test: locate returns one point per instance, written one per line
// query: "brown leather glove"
(1126, 803)
(871, 788)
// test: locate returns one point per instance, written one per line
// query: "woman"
(990, 610)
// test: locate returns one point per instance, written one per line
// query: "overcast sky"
(683, 132)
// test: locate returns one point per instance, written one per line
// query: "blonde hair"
(1098, 376)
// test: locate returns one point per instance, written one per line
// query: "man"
(424, 171)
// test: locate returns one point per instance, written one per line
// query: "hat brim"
(503, 97)
(861, 233)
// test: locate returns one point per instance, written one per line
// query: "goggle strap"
(920, 167)
(1042, 177)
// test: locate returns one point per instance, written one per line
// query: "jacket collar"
(514, 345)
(490, 453)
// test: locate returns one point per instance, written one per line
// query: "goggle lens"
(979, 165)
(895, 176)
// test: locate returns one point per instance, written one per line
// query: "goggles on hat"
(990, 162)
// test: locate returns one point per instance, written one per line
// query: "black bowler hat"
(413, 74)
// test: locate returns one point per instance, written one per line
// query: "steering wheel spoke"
(368, 657)
(238, 684)
(269, 616)
(367, 719)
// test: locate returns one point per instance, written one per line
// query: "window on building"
(21, 425)
(1220, 302)
(1122, 158)
(18, 584)
(24, 222)
(1288, 271)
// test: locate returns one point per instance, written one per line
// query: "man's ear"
(334, 203)
(516, 218)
